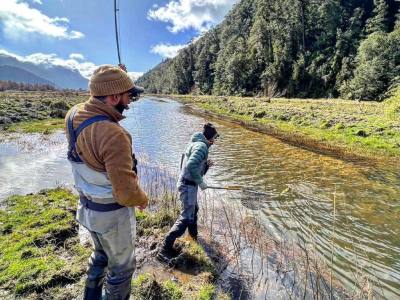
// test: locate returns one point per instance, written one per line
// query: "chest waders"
(112, 226)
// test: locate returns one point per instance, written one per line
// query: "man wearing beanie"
(105, 174)
(194, 165)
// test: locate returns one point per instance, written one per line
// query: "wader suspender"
(73, 134)
(73, 156)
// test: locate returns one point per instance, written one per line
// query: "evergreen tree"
(379, 20)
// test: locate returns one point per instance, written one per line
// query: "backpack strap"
(73, 134)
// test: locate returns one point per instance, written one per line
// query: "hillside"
(60, 76)
(291, 48)
(20, 75)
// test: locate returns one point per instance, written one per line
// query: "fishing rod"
(238, 188)
(116, 11)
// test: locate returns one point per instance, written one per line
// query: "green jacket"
(195, 160)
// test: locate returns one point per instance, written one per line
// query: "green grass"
(41, 257)
(367, 129)
(147, 222)
(43, 126)
(206, 292)
(145, 287)
(39, 243)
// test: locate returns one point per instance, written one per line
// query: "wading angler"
(194, 165)
(105, 175)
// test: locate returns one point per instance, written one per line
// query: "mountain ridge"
(60, 76)
(20, 75)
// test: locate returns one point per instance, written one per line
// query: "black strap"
(73, 134)
(98, 206)
(188, 182)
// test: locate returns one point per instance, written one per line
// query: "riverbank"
(43, 257)
(346, 129)
(36, 111)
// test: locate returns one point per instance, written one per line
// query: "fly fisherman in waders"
(194, 166)
(105, 174)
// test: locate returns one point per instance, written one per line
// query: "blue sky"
(80, 33)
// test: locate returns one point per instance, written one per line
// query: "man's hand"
(210, 163)
(203, 185)
(143, 206)
(123, 67)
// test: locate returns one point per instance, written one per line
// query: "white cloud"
(18, 20)
(76, 56)
(185, 14)
(74, 62)
(167, 50)
(135, 75)
(37, 2)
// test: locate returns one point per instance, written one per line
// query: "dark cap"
(136, 91)
(209, 131)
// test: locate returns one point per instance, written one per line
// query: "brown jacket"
(107, 147)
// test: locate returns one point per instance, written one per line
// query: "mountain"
(291, 48)
(62, 77)
(20, 75)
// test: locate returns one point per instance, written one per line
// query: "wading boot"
(193, 233)
(93, 290)
(166, 255)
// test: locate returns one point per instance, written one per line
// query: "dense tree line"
(20, 86)
(292, 48)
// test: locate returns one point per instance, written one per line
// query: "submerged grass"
(347, 128)
(39, 243)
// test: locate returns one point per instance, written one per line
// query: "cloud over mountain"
(167, 50)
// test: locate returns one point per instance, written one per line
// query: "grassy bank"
(345, 128)
(40, 253)
(41, 256)
(42, 112)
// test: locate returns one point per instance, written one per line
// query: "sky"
(80, 34)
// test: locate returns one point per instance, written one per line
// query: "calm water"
(303, 186)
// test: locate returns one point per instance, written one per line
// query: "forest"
(22, 86)
(290, 48)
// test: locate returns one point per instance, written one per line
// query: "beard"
(120, 107)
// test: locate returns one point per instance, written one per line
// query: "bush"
(61, 104)
(378, 64)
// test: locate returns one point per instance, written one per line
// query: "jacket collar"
(100, 108)
(199, 137)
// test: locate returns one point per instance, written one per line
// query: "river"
(348, 211)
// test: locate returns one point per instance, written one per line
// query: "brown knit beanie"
(109, 80)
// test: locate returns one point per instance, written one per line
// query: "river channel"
(350, 211)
